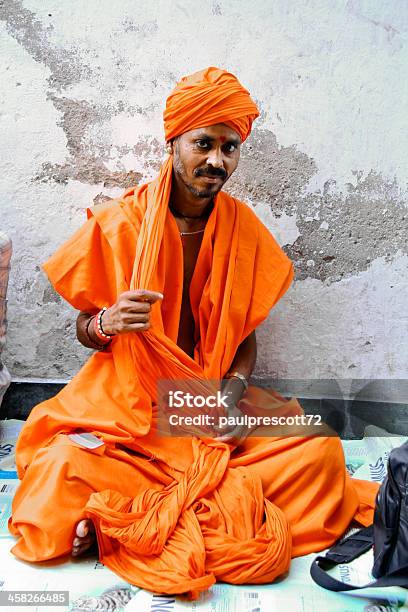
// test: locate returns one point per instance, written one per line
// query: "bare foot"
(85, 537)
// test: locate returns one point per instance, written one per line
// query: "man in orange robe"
(186, 273)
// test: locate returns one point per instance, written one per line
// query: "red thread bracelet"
(99, 329)
(94, 344)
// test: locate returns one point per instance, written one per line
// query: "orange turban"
(208, 97)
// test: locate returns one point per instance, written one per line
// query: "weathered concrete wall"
(83, 88)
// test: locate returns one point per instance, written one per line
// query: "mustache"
(210, 171)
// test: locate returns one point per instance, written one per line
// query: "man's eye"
(231, 148)
(202, 144)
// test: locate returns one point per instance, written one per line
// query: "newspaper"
(300, 597)
(8, 486)
(90, 584)
(367, 459)
(9, 431)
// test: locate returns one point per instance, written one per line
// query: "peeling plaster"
(91, 155)
(65, 65)
(351, 230)
(337, 234)
(282, 226)
(353, 328)
(93, 174)
(77, 116)
(271, 173)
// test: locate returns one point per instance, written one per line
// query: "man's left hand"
(233, 434)
(237, 434)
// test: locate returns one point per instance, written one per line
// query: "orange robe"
(175, 514)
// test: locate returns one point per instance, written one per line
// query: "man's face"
(204, 159)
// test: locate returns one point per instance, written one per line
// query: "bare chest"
(186, 334)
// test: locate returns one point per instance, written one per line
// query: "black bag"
(389, 533)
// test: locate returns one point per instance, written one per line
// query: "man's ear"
(169, 147)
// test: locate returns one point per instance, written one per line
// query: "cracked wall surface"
(325, 168)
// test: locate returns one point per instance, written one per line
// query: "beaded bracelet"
(99, 329)
(90, 340)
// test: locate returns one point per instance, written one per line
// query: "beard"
(201, 193)
(180, 170)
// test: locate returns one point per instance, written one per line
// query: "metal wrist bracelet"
(240, 377)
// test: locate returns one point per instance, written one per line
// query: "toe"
(84, 537)
(82, 528)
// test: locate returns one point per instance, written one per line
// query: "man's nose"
(215, 158)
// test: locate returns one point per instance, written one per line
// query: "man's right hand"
(130, 313)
